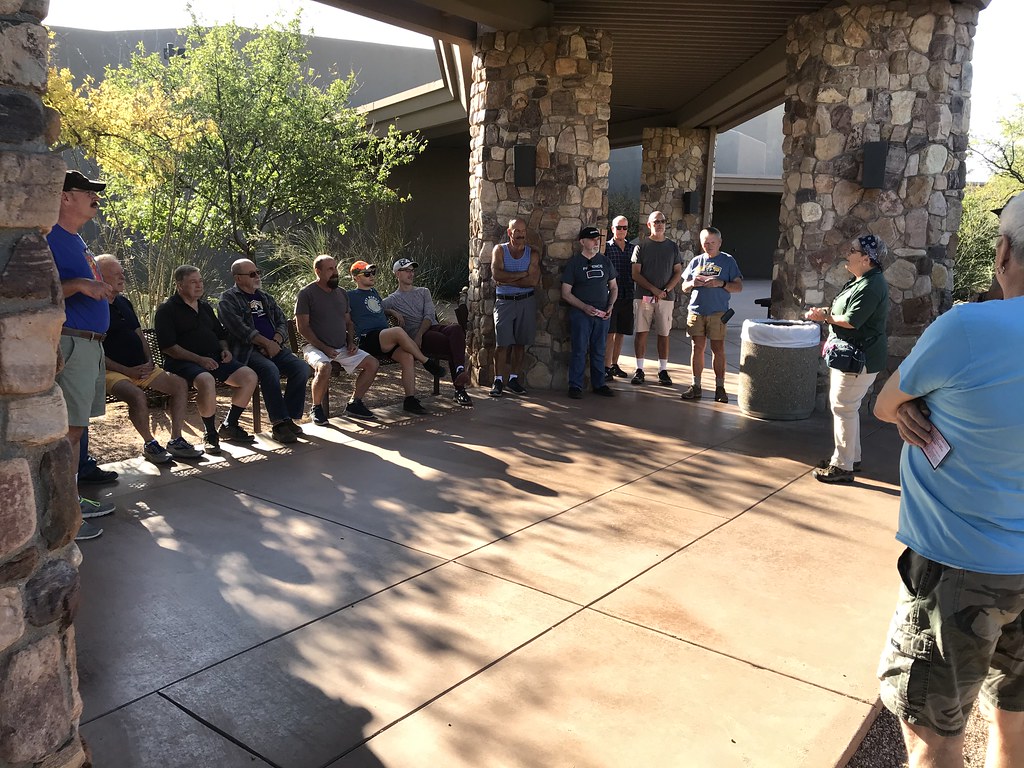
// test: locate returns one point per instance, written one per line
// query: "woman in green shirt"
(857, 315)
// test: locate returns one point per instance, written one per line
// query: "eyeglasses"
(856, 250)
(617, 226)
(254, 273)
(407, 269)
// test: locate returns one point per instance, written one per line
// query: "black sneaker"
(317, 414)
(825, 463)
(664, 379)
(462, 397)
(88, 531)
(575, 393)
(833, 474)
(515, 387)
(693, 393)
(638, 377)
(434, 367)
(211, 443)
(412, 405)
(721, 396)
(356, 409)
(609, 373)
(618, 372)
(283, 433)
(605, 391)
(235, 434)
(180, 448)
(92, 508)
(295, 428)
(499, 385)
(98, 476)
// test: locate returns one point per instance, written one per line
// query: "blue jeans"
(586, 333)
(292, 403)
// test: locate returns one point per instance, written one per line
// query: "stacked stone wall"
(896, 72)
(549, 88)
(39, 702)
(675, 161)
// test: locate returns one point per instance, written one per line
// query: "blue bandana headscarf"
(869, 245)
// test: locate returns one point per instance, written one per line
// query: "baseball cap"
(361, 266)
(404, 264)
(77, 180)
(999, 211)
(588, 232)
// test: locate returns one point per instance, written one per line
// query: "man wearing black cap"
(589, 287)
(87, 317)
(412, 308)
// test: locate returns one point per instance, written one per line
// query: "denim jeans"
(292, 403)
(586, 334)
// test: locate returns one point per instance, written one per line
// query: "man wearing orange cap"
(378, 338)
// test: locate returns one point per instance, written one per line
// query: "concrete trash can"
(779, 368)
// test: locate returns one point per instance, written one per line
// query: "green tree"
(232, 143)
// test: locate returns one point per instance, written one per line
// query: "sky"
(996, 39)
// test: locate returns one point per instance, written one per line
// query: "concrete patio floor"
(531, 582)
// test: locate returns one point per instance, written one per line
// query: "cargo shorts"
(955, 633)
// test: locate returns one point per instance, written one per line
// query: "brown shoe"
(833, 474)
(693, 393)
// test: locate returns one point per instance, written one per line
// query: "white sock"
(662, 364)
(639, 363)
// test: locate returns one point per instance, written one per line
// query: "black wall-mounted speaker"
(524, 165)
(691, 203)
(875, 154)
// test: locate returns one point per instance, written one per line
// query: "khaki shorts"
(706, 325)
(82, 379)
(954, 633)
(315, 357)
(656, 314)
(145, 381)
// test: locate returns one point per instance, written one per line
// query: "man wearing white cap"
(413, 309)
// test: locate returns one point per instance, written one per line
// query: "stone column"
(39, 703)
(894, 72)
(549, 88)
(675, 161)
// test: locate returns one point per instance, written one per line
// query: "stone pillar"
(39, 703)
(675, 161)
(894, 72)
(549, 88)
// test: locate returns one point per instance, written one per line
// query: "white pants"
(846, 390)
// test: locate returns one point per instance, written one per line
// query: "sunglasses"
(620, 227)
(856, 250)
(254, 273)
(370, 272)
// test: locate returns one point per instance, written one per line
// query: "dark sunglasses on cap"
(254, 273)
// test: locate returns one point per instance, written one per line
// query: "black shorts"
(370, 343)
(621, 320)
(188, 370)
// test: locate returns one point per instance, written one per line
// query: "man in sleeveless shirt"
(516, 269)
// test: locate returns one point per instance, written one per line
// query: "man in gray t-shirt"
(323, 319)
(657, 270)
(412, 308)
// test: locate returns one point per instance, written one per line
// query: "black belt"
(65, 331)
(515, 296)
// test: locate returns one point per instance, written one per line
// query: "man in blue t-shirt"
(958, 629)
(379, 339)
(709, 278)
(257, 337)
(87, 316)
(590, 290)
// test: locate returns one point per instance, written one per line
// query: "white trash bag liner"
(782, 334)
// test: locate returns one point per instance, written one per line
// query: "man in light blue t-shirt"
(958, 630)
(709, 278)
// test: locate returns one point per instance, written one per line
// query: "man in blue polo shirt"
(87, 316)
(710, 278)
